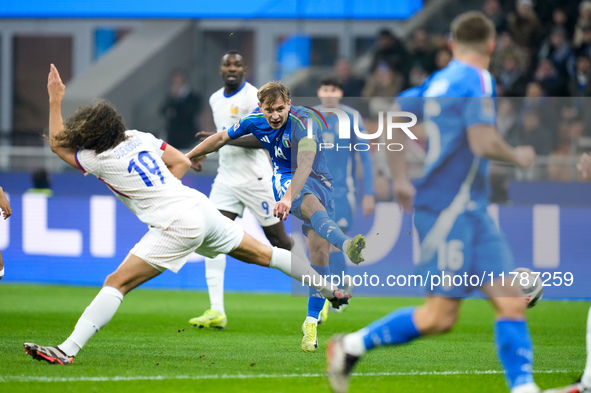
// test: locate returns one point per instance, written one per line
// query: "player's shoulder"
(216, 95)
(299, 114)
(466, 80)
(249, 88)
(254, 117)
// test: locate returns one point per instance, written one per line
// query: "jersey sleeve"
(480, 107)
(300, 122)
(241, 128)
(158, 144)
(87, 162)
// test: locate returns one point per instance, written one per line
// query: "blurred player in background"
(243, 179)
(302, 182)
(6, 212)
(342, 165)
(583, 385)
(457, 235)
(144, 174)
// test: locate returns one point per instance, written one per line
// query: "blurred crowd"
(542, 67)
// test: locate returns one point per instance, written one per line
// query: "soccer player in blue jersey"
(341, 158)
(301, 181)
(457, 236)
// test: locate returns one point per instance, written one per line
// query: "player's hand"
(197, 163)
(4, 205)
(282, 208)
(584, 166)
(405, 192)
(55, 87)
(368, 204)
(525, 155)
(203, 135)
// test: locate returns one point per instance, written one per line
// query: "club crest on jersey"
(286, 141)
(233, 109)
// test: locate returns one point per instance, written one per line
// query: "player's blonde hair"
(473, 29)
(270, 92)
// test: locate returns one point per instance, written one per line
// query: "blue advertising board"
(79, 239)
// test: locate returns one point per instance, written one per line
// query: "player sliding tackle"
(144, 173)
(302, 182)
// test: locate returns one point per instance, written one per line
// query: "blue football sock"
(397, 327)
(315, 299)
(515, 352)
(328, 229)
(338, 265)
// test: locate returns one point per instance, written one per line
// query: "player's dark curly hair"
(97, 127)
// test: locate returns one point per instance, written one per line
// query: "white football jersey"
(238, 165)
(135, 172)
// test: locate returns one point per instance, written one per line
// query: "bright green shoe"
(354, 248)
(310, 339)
(324, 313)
(210, 319)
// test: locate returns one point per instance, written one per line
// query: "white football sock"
(586, 379)
(353, 343)
(214, 274)
(301, 270)
(311, 320)
(96, 315)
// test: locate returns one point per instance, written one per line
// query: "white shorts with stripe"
(202, 229)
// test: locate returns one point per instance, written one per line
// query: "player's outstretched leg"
(512, 339)
(252, 251)
(131, 273)
(344, 351)
(215, 316)
(329, 230)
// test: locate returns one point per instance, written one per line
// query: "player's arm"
(306, 154)
(403, 188)
(209, 145)
(56, 90)
(248, 141)
(176, 161)
(485, 142)
(4, 205)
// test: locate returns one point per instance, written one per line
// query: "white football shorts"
(202, 229)
(258, 197)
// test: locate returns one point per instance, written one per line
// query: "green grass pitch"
(150, 347)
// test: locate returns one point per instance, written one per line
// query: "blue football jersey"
(450, 102)
(341, 160)
(282, 144)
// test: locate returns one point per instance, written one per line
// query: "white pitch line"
(32, 378)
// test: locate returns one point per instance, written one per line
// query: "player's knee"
(114, 280)
(434, 322)
(280, 241)
(511, 307)
(320, 254)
